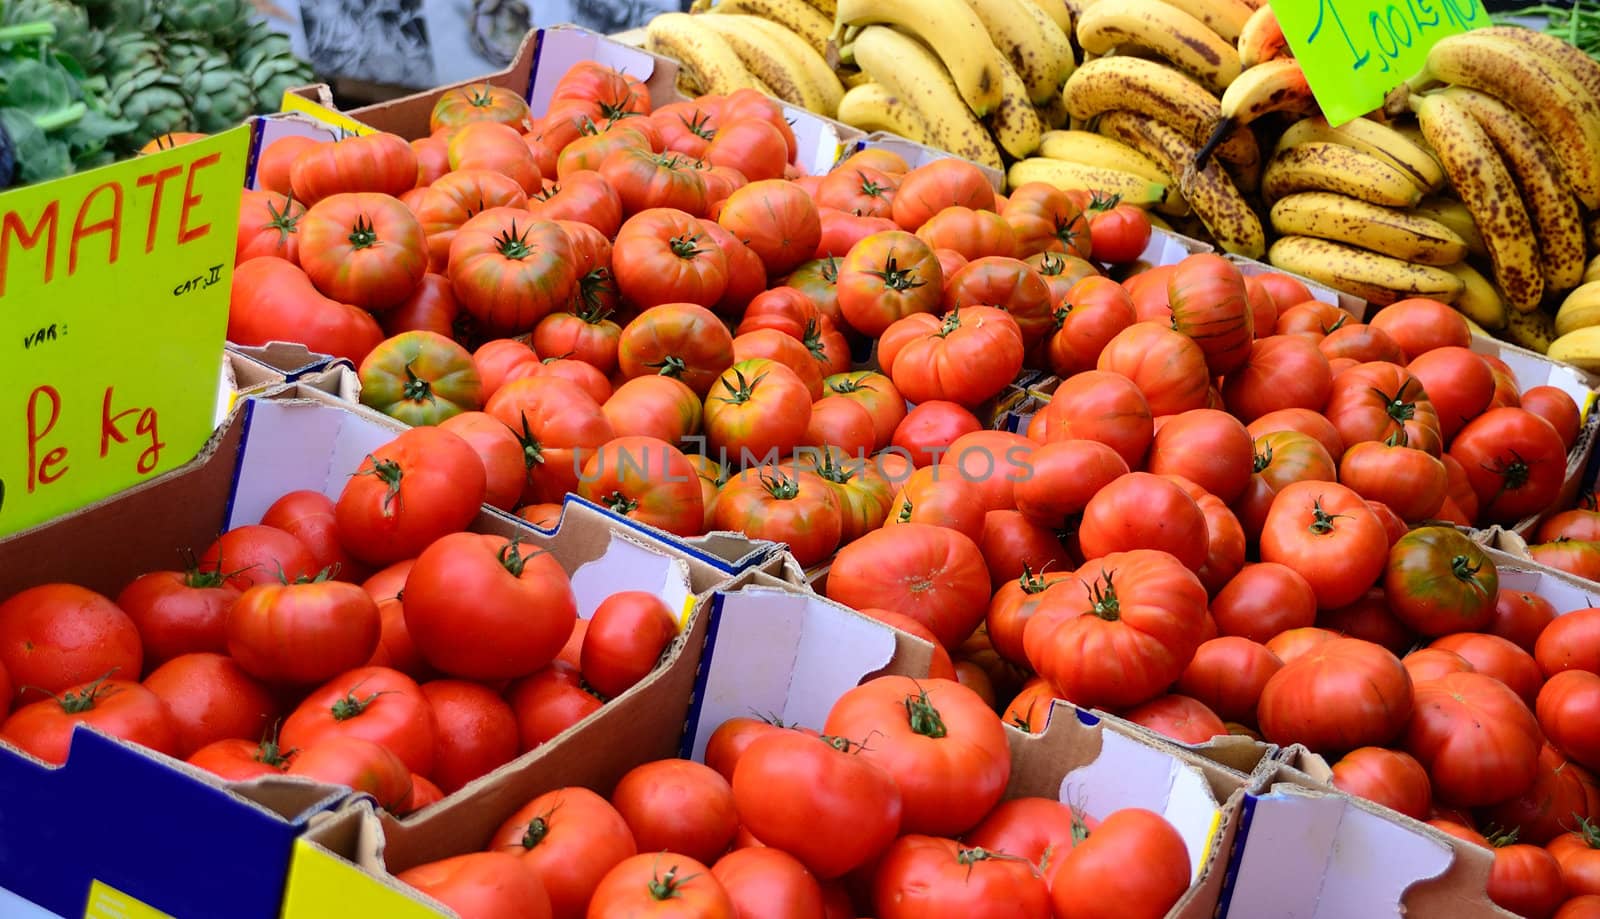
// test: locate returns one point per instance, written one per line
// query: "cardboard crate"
(297, 437)
(544, 56)
(916, 154)
(1350, 303)
(1519, 572)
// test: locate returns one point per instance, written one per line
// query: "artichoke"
(223, 21)
(153, 100)
(219, 96)
(123, 15)
(129, 51)
(183, 56)
(74, 37)
(270, 66)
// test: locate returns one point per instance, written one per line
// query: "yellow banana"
(1371, 137)
(1319, 166)
(1536, 331)
(1053, 115)
(1454, 214)
(1131, 188)
(1261, 39)
(1591, 272)
(1076, 8)
(1275, 86)
(1349, 220)
(1580, 348)
(1224, 17)
(1480, 301)
(1014, 123)
(797, 16)
(1484, 184)
(1537, 87)
(954, 33)
(1573, 59)
(1057, 12)
(1552, 209)
(1098, 150)
(1591, 231)
(1579, 309)
(781, 59)
(851, 78)
(706, 58)
(1157, 90)
(1040, 53)
(1373, 277)
(915, 74)
(826, 7)
(1165, 30)
(872, 107)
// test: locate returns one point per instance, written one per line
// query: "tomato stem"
(905, 511)
(685, 246)
(670, 366)
(665, 886)
(416, 389)
(351, 706)
(950, 323)
(620, 503)
(285, 221)
(532, 449)
(780, 486)
(896, 278)
(925, 719)
(364, 236)
(513, 245)
(1321, 520)
(1103, 598)
(76, 703)
(389, 472)
(742, 393)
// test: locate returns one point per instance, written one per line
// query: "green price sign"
(114, 288)
(1355, 51)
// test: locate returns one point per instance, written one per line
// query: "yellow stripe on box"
(339, 121)
(107, 902)
(322, 886)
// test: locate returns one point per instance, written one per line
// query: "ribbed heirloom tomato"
(685, 341)
(420, 378)
(1101, 406)
(932, 574)
(363, 249)
(886, 277)
(509, 269)
(756, 412)
(1342, 694)
(1209, 304)
(455, 198)
(1168, 367)
(1439, 581)
(273, 300)
(380, 162)
(795, 507)
(1090, 314)
(966, 357)
(647, 479)
(1329, 536)
(558, 426)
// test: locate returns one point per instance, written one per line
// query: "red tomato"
(557, 424)
(679, 806)
(56, 636)
(648, 480)
(1515, 460)
(1013, 545)
(1480, 744)
(766, 883)
(1144, 511)
(1459, 383)
(776, 219)
(926, 432)
(1499, 658)
(1571, 642)
(422, 485)
(1557, 407)
(1525, 879)
(1135, 862)
(664, 885)
(482, 885)
(1210, 305)
(121, 708)
(379, 162)
(1036, 829)
(1432, 663)
(1388, 777)
(570, 838)
(1206, 446)
(1092, 312)
(256, 554)
(885, 277)
(932, 574)
(1282, 372)
(502, 453)
(1182, 718)
(930, 188)
(374, 703)
(269, 224)
(919, 874)
(211, 698)
(364, 249)
(395, 647)
(1168, 367)
(359, 764)
(1227, 675)
(1060, 479)
(1328, 535)
(1262, 600)
(549, 702)
(1567, 707)
(1119, 234)
(309, 517)
(1343, 694)
(302, 632)
(475, 731)
(1378, 400)
(1520, 617)
(1369, 619)
(626, 636)
(1560, 794)
(939, 495)
(1420, 325)
(1101, 406)
(178, 612)
(235, 760)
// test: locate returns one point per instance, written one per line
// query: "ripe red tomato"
(1432, 663)
(269, 224)
(273, 300)
(1209, 447)
(1379, 400)
(520, 615)
(210, 698)
(1210, 305)
(885, 277)
(1478, 741)
(798, 508)
(1567, 706)
(1459, 383)
(1182, 718)
(939, 495)
(678, 805)
(1520, 617)
(1046, 219)
(967, 357)
(1013, 545)
(56, 636)
(757, 412)
(919, 874)
(1388, 777)
(1342, 694)
(626, 636)
(1263, 600)
(303, 632)
(483, 885)
(1281, 372)
(549, 702)
(648, 480)
(236, 760)
(375, 703)
(121, 708)
(178, 612)
(1560, 795)
(1515, 460)
(1144, 511)
(475, 731)
(659, 407)
(309, 517)
(972, 234)
(557, 424)
(1227, 675)
(766, 883)
(1167, 366)
(1091, 312)
(257, 554)
(509, 270)
(1329, 536)
(570, 838)
(379, 162)
(1039, 830)
(1102, 406)
(776, 219)
(1119, 233)
(932, 574)
(359, 764)
(1420, 324)
(1009, 284)
(1499, 658)
(1135, 862)
(664, 885)
(504, 459)
(930, 188)
(1571, 642)
(927, 432)
(422, 485)
(1554, 405)
(1525, 879)
(364, 249)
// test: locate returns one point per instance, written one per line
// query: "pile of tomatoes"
(368, 641)
(894, 809)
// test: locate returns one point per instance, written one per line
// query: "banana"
(826, 7)
(1348, 220)
(1484, 184)
(1480, 301)
(1576, 62)
(1131, 188)
(1375, 138)
(1536, 331)
(1321, 166)
(797, 16)
(1261, 39)
(706, 58)
(951, 29)
(1275, 86)
(1591, 231)
(914, 74)
(1153, 89)
(1591, 272)
(1040, 53)
(1053, 115)
(872, 107)
(1166, 30)
(1098, 150)
(1375, 278)
(852, 78)
(1579, 309)
(1224, 17)
(781, 59)
(1076, 7)
(1553, 211)
(1454, 214)
(1014, 123)
(1057, 12)
(1209, 191)
(1537, 87)
(1580, 348)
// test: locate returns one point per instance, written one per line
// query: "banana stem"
(1221, 131)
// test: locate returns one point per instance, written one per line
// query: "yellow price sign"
(114, 288)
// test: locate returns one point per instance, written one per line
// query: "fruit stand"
(1015, 458)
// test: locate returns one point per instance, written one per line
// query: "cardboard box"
(916, 154)
(1350, 303)
(545, 55)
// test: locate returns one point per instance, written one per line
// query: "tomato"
(274, 300)
(381, 163)
(929, 189)
(501, 360)
(235, 760)
(1094, 311)
(774, 345)
(611, 94)
(1143, 511)
(777, 220)
(940, 495)
(1578, 557)
(932, 574)
(1520, 617)
(1227, 675)
(1407, 481)
(208, 698)
(1525, 879)
(664, 885)
(1045, 219)
(679, 806)
(860, 190)
(363, 249)
(304, 631)
(1554, 405)
(1432, 663)
(1515, 461)
(1379, 400)
(482, 885)
(1567, 706)
(1575, 852)
(558, 426)
(1387, 777)
(421, 485)
(475, 731)
(1499, 658)
(269, 224)
(1311, 318)
(1008, 284)
(431, 308)
(837, 421)
(1302, 421)
(648, 480)
(1262, 600)
(798, 509)
(728, 743)
(1124, 631)
(967, 357)
(420, 378)
(1281, 372)
(922, 873)
(1327, 534)
(501, 452)
(1136, 865)
(1038, 830)
(1438, 581)
(885, 277)
(926, 432)
(1149, 292)
(644, 179)
(495, 147)
(122, 708)
(975, 234)
(1168, 367)
(1181, 718)
(549, 702)
(1059, 479)
(1209, 447)
(570, 838)
(583, 196)
(56, 636)
(1581, 907)
(862, 493)
(1119, 234)
(661, 407)
(681, 340)
(175, 612)
(375, 703)
(1360, 343)
(1578, 523)
(1370, 619)
(756, 412)
(766, 883)
(479, 103)
(874, 392)
(1420, 325)
(509, 269)
(627, 634)
(1561, 795)
(444, 206)
(1458, 382)
(1210, 305)
(1341, 694)
(277, 158)
(1479, 742)
(257, 554)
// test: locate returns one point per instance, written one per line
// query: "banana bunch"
(776, 46)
